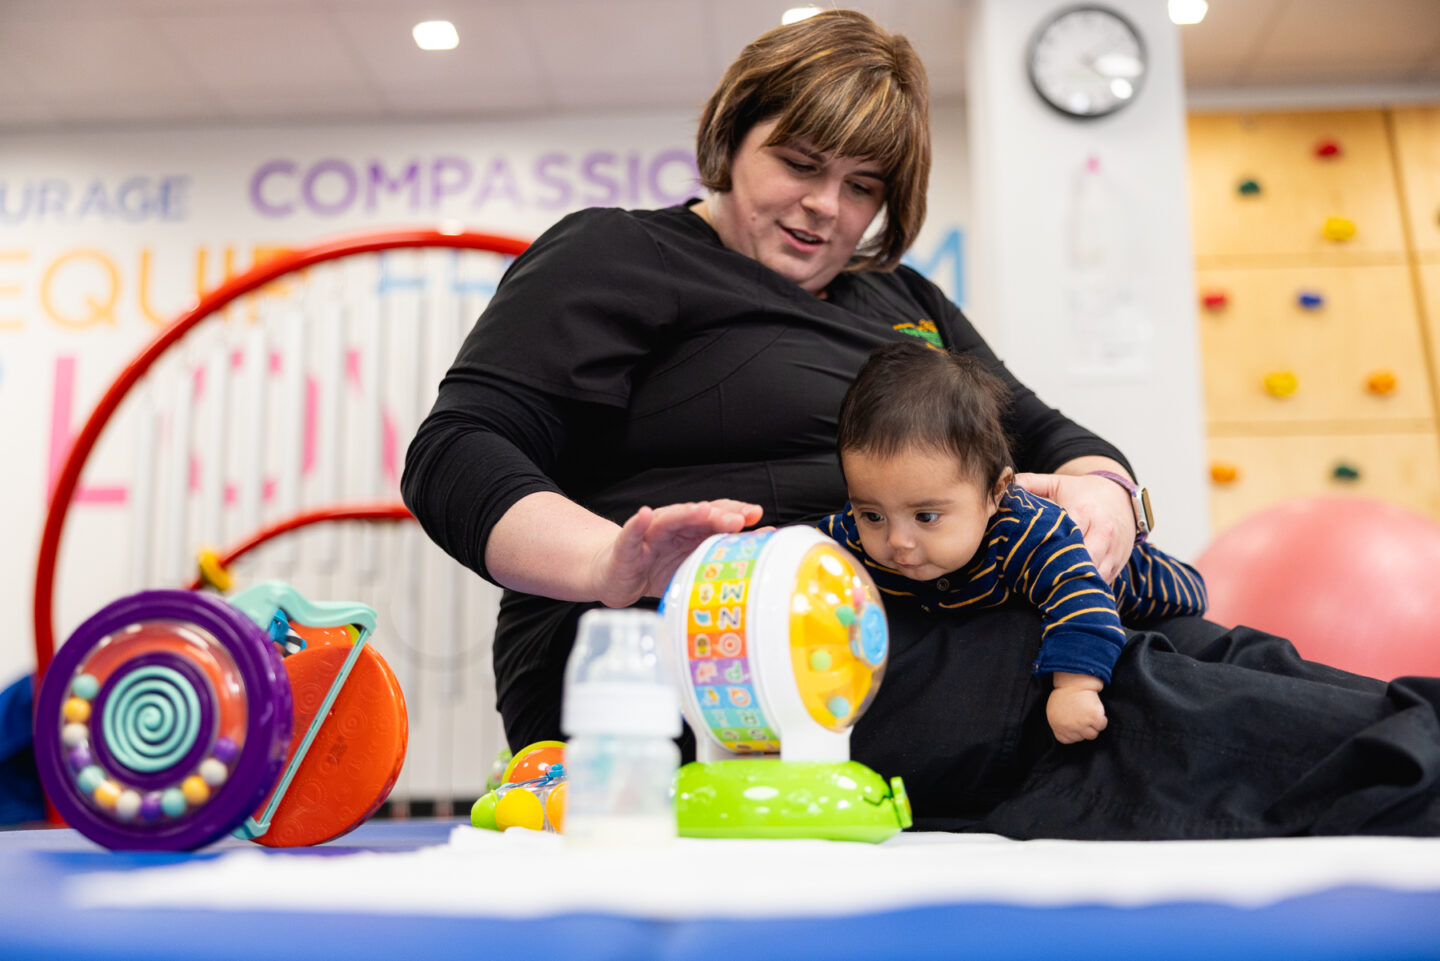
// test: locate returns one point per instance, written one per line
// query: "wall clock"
(1087, 61)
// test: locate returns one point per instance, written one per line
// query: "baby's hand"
(1074, 709)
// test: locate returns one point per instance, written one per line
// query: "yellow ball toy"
(520, 809)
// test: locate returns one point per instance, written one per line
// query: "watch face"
(1087, 62)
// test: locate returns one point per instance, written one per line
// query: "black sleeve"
(484, 446)
(1041, 437)
(550, 356)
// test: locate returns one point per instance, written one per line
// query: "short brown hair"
(842, 85)
(912, 395)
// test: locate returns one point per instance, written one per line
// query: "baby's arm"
(1074, 709)
(1082, 636)
(1155, 585)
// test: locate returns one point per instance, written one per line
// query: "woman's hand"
(1101, 508)
(1074, 709)
(646, 552)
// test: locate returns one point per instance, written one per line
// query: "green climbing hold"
(1344, 472)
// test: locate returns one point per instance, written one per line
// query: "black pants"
(1213, 733)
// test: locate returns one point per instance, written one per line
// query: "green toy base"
(770, 798)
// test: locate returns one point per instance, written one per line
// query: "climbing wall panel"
(1317, 241)
(1296, 187)
(1348, 338)
(1264, 469)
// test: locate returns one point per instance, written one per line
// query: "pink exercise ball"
(1351, 582)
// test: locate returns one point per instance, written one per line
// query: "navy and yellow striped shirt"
(1032, 549)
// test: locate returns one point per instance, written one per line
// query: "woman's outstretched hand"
(646, 552)
(1099, 507)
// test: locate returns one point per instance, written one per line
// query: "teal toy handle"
(262, 603)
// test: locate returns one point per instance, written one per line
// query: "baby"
(937, 521)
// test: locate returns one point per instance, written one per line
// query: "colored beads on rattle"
(127, 805)
(106, 794)
(195, 791)
(150, 717)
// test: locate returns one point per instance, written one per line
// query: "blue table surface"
(1345, 924)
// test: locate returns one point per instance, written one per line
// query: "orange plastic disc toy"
(357, 754)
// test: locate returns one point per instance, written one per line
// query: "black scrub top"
(629, 358)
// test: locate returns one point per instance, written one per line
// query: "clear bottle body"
(621, 789)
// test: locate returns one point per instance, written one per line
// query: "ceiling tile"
(71, 63)
(303, 104)
(490, 99)
(111, 56)
(262, 50)
(684, 93)
(1343, 40)
(25, 115)
(1332, 73)
(1427, 68)
(496, 47)
(1216, 49)
(653, 40)
(105, 111)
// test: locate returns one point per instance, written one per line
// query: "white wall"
(1144, 394)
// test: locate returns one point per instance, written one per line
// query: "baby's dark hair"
(910, 394)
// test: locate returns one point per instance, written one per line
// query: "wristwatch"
(1144, 519)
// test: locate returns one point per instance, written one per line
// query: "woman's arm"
(546, 369)
(477, 478)
(547, 544)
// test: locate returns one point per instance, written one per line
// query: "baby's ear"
(1007, 477)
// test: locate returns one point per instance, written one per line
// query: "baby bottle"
(621, 714)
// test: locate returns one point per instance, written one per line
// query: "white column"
(1029, 290)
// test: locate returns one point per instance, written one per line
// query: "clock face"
(1087, 62)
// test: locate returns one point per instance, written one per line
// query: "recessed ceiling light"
(1187, 11)
(796, 14)
(436, 35)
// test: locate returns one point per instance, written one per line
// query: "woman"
(695, 357)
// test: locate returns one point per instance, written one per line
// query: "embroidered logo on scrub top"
(925, 330)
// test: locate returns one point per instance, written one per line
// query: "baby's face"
(916, 512)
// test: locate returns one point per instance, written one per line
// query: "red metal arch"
(253, 279)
